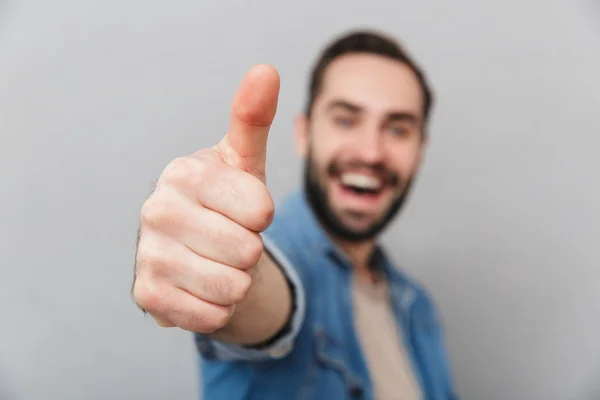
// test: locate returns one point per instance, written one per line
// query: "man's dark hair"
(365, 42)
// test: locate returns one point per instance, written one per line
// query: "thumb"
(252, 112)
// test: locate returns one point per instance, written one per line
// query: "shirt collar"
(297, 206)
(296, 211)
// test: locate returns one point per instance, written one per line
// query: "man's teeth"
(360, 181)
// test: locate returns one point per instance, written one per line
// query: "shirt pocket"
(329, 375)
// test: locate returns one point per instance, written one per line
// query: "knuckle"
(193, 322)
(147, 211)
(245, 189)
(242, 287)
(145, 297)
(184, 171)
(155, 259)
(153, 211)
(251, 248)
(158, 262)
(146, 253)
(219, 319)
(220, 286)
(265, 212)
(261, 208)
(205, 322)
(161, 210)
(229, 288)
(207, 326)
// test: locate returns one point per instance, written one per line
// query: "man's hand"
(199, 233)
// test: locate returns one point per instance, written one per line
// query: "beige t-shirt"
(388, 362)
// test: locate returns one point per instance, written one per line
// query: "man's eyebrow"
(346, 105)
(403, 116)
(392, 116)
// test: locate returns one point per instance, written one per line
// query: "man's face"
(362, 144)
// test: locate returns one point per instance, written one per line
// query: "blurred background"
(96, 97)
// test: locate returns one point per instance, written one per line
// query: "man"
(302, 303)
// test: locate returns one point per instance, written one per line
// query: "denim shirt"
(321, 357)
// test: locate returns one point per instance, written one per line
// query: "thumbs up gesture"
(199, 231)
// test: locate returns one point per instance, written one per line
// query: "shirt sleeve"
(215, 350)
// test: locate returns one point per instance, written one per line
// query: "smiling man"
(301, 302)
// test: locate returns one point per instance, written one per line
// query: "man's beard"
(318, 199)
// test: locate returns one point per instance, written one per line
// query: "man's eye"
(344, 122)
(399, 130)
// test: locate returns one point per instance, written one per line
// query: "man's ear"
(301, 135)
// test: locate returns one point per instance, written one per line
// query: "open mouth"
(361, 184)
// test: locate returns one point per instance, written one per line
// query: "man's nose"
(371, 146)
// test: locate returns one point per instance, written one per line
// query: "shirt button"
(356, 392)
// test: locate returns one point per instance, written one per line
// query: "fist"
(199, 230)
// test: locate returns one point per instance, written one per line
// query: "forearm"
(265, 310)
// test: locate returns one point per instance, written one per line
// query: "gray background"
(97, 97)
